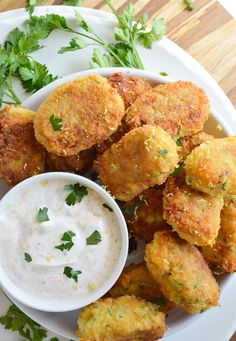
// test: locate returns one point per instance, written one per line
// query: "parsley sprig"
(67, 237)
(71, 273)
(77, 193)
(94, 238)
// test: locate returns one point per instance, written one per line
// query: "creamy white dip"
(21, 232)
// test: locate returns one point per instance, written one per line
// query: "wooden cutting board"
(208, 33)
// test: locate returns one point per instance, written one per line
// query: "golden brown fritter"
(181, 272)
(136, 280)
(79, 164)
(21, 156)
(144, 214)
(211, 167)
(189, 143)
(128, 87)
(221, 257)
(121, 319)
(194, 215)
(180, 108)
(143, 158)
(90, 110)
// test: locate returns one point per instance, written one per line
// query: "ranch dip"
(58, 240)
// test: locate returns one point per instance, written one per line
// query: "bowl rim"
(46, 305)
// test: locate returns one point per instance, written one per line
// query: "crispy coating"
(136, 280)
(144, 157)
(181, 272)
(121, 319)
(128, 87)
(180, 108)
(189, 143)
(21, 156)
(222, 255)
(194, 215)
(90, 109)
(79, 164)
(211, 167)
(144, 214)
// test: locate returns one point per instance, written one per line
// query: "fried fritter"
(121, 319)
(222, 255)
(136, 280)
(211, 167)
(180, 108)
(79, 164)
(189, 143)
(90, 110)
(181, 272)
(21, 156)
(128, 87)
(143, 158)
(144, 214)
(194, 215)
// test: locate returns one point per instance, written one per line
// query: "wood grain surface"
(208, 33)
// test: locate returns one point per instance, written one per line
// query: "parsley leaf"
(100, 59)
(43, 215)
(179, 142)
(160, 301)
(108, 207)
(71, 273)
(131, 210)
(30, 4)
(28, 258)
(77, 193)
(178, 170)
(16, 320)
(72, 2)
(67, 236)
(94, 238)
(76, 43)
(162, 73)
(56, 123)
(189, 5)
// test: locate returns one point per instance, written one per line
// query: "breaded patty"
(211, 167)
(21, 156)
(194, 215)
(143, 158)
(79, 164)
(222, 255)
(180, 108)
(128, 87)
(85, 112)
(121, 319)
(144, 214)
(136, 280)
(189, 143)
(181, 272)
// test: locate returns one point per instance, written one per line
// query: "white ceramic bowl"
(58, 305)
(64, 324)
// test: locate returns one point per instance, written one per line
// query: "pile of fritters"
(175, 184)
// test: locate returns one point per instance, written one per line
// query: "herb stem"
(98, 41)
(108, 2)
(114, 55)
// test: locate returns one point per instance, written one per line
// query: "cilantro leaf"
(16, 320)
(56, 123)
(94, 238)
(28, 258)
(67, 236)
(71, 273)
(146, 38)
(83, 23)
(189, 5)
(77, 193)
(108, 207)
(43, 215)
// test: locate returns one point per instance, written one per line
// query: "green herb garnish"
(163, 152)
(43, 215)
(160, 301)
(77, 193)
(30, 4)
(178, 170)
(179, 142)
(163, 73)
(56, 123)
(189, 5)
(217, 270)
(72, 2)
(71, 273)
(108, 207)
(131, 210)
(94, 238)
(67, 236)
(17, 321)
(28, 258)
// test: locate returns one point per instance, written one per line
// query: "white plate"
(164, 56)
